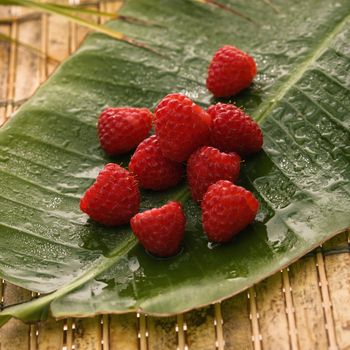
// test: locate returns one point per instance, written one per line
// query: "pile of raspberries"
(212, 143)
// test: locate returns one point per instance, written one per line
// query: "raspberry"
(181, 127)
(152, 169)
(208, 165)
(227, 209)
(114, 197)
(121, 129)
(160, 230)
(230, 71)
(233, 130)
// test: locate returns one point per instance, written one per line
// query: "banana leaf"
(49, 155)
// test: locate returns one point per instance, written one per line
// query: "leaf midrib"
(298, 73)
(98, 266)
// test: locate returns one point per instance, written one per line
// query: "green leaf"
(49, 155)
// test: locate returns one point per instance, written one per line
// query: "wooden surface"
(306, 306)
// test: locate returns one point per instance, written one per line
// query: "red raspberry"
(227, 209)
(152, 169)
(181, 127)
(230, 71)
(121, 129)
(233, 130)
(114, 197)
(208, 165)
(160, 230)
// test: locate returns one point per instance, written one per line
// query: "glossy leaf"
(49, 155)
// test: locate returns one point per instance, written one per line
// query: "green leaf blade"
(301, 178)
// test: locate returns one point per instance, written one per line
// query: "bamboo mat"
(306, 306)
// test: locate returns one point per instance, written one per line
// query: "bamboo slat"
(254, 316)
(88, 333)
(200, 331)
(58, 40)
(5, 55)
(338, 273)
(310, 321)
(4, 64)
(236, 323)
(218, 322)
(326, 303)
(15, 334)
(27, 64)
(68, 334)
(289, 306)
(303, 307)
(123, 332)
(50, 335)
(162, 333)
(273, 321)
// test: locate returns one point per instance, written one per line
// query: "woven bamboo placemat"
(306, 306)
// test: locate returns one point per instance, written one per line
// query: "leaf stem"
(37, 309)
